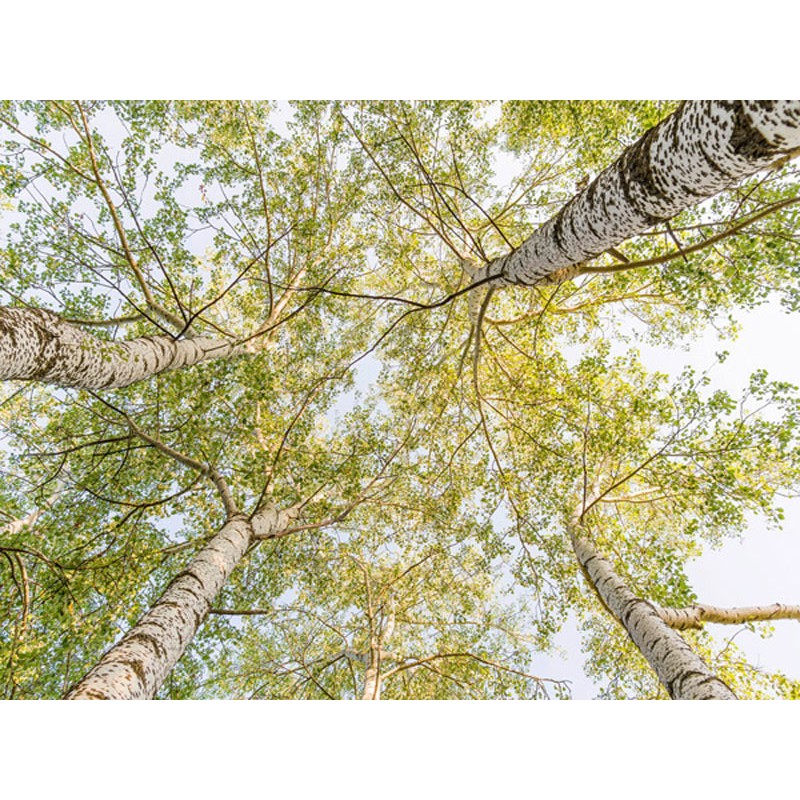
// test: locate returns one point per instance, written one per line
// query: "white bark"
(373, 679)
(696, 616)
(136, 667)
(682, 672)
(701, 149)
(372, 683)
(38, 345)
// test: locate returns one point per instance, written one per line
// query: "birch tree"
(447, 214)
(679, 668)
(136, 667)
(81, 449)
(701, 149)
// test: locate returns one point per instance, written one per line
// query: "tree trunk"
(373, 679)
(135, 667)
(372, 683)
(698, 151)
(38, 345)
(682, 672)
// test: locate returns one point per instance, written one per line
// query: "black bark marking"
(137, 669)
(159, 649)
(635, 168)
(592, 229)
(558, 234)
(113, 376)
(746, 140)
(183, 608)
(640, 167)
(89, 694)
(589, 560)
(676, 686)
(571, 220)
(713, 164)
(177, 581)
(45, 363)
(677, 126)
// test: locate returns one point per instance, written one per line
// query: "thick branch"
(696, 616)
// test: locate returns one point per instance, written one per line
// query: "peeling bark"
(137, 666)
(701, 149)
(682, 672)
(38, 345)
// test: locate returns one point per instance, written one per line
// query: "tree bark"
(698, 151)
(696, 616)
(682, 672)
(136, 667)
(372, 683)
(38, 345)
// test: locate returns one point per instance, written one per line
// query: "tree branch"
(697, 615)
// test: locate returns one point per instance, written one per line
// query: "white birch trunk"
(38, 345)
(137, 666)
(682, 672)
(372, 683)
(701, 149)
(373, 678)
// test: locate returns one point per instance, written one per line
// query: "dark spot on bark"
(35, 320)
(635, 169)
(713, 164)
(177, 581)
(627, 610)
(592, 229)
(575, 235)
(93, 694)
(87, 694)
(137, 669)
(185, 586)
(676, 688)
(670, 687)
(746, 140)
(558, 234)
(46, 364)
(155, 645)
(676, 121)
